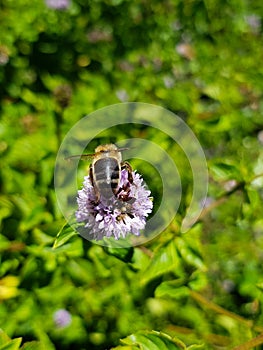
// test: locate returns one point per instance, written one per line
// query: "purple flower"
(254, 22)
(62, 318)
(57, 4)
(118, 216)
(122, 95)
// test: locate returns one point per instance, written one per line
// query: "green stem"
(58, 123)
(220, 310)
(251, 343)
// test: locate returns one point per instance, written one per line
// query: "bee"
(125, 210)
(105, 172)
(123, 216)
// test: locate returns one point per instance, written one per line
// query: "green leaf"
(196, 346)
(153, 340)
(97, 255)
(225, 171)
(8, 287)
(33, 345)
(64, 235)
(6, 207)
(140, 259)
(172, 289)
(190, 253)
(124, 254)
(198, 280)
(165, 260)
(4, 338)
(13, 344)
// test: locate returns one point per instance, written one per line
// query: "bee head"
(106, 148)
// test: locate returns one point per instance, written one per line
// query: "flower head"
(58, 4)
(117, 216)
(62, 318)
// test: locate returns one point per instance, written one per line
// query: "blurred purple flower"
(4, 55)
(229, 185)
(114, 217)
(168, 82)
(99, 35)
(122, 95)
(62, 318)
(260, 136)
(206, 202)
(125, 66)
(58, 4)
(254, 22)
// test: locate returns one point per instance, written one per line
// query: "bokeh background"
(63, 59)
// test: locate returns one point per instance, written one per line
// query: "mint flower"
(58, 4)
(118, 216)
(62, 318)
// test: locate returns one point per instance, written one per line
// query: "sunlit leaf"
(189, 252)
(4, 338)
(8, 287)
(13, 344)
(225, 171)
(6, 207)
(172, 289)
(152, 341)
(34, 345)
(165, 260)
(64, 235)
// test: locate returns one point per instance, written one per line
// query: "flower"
(4, 55)
(57, 4)
(118, 216)
(122, 95)
(62, 318)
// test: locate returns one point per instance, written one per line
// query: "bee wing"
(91, 155)
(81, 156)
(123, 149)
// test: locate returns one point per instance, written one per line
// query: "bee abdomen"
(107, 175)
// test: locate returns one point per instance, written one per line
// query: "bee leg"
(91, 175)
(97, 193)
(121, 217)
(127, 166)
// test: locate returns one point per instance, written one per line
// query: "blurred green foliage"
(200, 59)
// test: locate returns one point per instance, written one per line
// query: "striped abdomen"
(107, 176)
